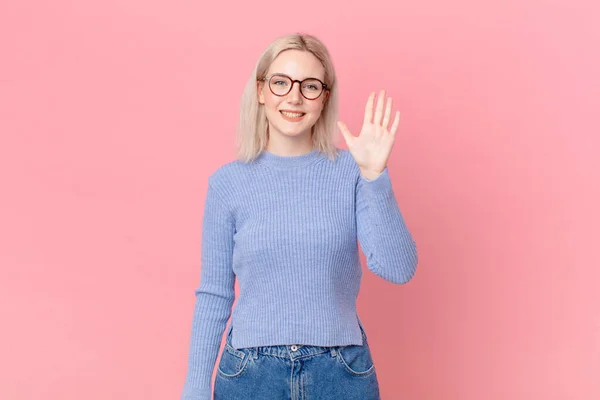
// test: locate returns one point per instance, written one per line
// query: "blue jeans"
(298, 372)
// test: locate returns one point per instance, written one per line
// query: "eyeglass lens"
(281, 85)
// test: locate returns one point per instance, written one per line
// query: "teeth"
(292, 115)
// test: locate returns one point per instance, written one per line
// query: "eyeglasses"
(280, 85)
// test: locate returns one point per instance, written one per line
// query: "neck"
(289, 146)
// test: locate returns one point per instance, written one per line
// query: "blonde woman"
(285, 220)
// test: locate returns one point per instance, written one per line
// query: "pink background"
(114, 113)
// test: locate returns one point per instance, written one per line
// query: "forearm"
(383, 234)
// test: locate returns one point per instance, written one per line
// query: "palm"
(372, 148)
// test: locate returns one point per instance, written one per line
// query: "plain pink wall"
(114, 113)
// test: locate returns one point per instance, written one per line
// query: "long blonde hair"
(252, 135)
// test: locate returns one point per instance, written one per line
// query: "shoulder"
(224, 182)
(344, 155)
(227, 174)
(345, 161)
(235, 176)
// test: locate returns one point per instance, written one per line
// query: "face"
(298, 65)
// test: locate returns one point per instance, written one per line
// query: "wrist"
(370, 174)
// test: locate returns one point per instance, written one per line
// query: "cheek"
(270, 99)
(271, 107)
(316, 108)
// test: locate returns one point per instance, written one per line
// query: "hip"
(297, 372)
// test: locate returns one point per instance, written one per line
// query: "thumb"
(345, 132)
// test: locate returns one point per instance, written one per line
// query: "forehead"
(298, 64)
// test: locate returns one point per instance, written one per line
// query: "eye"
(312, 85)
(279, 80)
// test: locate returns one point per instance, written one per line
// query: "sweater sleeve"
(214, 297)
(389, 248)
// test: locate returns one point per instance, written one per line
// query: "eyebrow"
(310, 77)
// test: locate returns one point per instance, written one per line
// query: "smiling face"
(293, 115)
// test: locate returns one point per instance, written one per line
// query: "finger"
(369, 109)
(345, 132)
(395, 123)
(388, 113)
(379, 108)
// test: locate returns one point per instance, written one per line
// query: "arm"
(383, 235)
(214, 297)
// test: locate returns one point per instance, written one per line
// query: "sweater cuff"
(380, 184)
(196, 394)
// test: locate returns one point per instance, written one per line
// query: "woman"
(284, 220)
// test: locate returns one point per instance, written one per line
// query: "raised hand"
(371, 149)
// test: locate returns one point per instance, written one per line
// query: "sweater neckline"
(288, 162)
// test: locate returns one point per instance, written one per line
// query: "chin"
(293, 134)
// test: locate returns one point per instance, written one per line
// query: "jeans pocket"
(233, 362)
(357, 360)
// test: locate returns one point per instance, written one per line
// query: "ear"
(259, 89)
(326, 96)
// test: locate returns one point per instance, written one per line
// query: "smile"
(292, 116)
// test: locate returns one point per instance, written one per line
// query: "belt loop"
(333, 351)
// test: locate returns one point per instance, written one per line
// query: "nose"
(294, 96)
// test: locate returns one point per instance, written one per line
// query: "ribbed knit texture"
(287, 229)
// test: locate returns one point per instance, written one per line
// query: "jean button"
(294, 347)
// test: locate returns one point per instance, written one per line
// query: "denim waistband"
(289, 351)
(284, 351)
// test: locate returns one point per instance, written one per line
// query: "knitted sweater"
(288, 229)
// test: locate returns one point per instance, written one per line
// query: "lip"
(297, 119)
